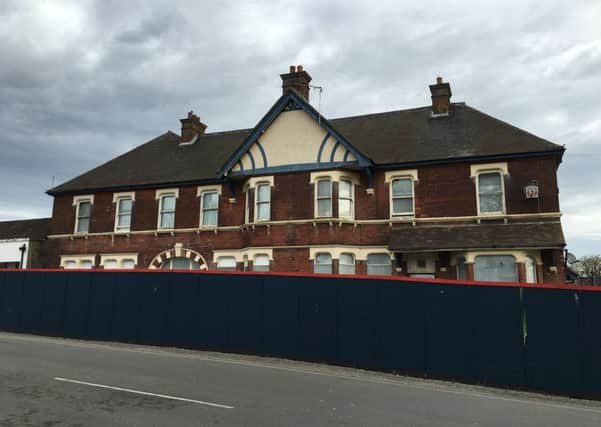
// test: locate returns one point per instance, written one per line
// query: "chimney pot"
(297, 80)
(441, 97)
(191, 127)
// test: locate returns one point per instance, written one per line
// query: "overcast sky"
(82, 81)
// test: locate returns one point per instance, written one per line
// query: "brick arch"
(178, 251)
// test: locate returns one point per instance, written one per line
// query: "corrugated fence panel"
(553, 341)
(401, 315)
(10, 309)
(463, 332)
(53, 305)
(591, 338)
(280, 316)
(101, 307)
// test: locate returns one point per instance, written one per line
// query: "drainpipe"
(22, 249)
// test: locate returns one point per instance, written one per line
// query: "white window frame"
(378, 253)
(351, 198)
(229, 257)
(354, 264)
(78, 260)
(392, 198)
(77, 201)
(262, 255)
(119, 259)
(315, 264)
(502, 179)
(202, 209)
(317, 198)
(117, 197)
(257, 202)
(161, 197)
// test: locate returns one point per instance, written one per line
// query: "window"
(261, 263)
(82, 223)
(345, 199)
(123, 214)
(167, 211)
(490, 193)
(77, 261)
(263, 208)
(118, 261)
(461, 269)
(379, 264)
(530, 270)
(495, 268)
(180, 263)
(346, 264)
(323, 263)
(401, 195)
(324, 197)
(226, 263)
(210, 208)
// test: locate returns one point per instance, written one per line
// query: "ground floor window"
(180, 263)
(461, 269)
(323, 263)
(379, 264)
(346, 264)
(261, 263)
(530, 270)
(226, 263)
(495, 268)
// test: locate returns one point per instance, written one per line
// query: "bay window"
(345, 199)
(346, 264)
(323, 196)
(263, 203)
(323, 263)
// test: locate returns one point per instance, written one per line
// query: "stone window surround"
(334, 176)
(119, 258)
(390, 176)
(116, 198)
(481, 168)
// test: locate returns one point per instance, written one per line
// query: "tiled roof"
(477, 236)
(396, 137)
(35, 229)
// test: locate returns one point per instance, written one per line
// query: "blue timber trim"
(289, 97)
(262, 153)
(346, 155)
(252, 159)
(323, 144)
(240, 164)
(295, 168)
(333, 154)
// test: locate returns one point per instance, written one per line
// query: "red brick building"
(440, 191)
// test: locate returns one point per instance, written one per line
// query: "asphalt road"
(53, 382)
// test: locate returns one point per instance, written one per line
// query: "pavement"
(57, 382)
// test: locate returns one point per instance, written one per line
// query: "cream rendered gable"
(293, 138)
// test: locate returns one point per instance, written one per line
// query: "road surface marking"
(145, 393)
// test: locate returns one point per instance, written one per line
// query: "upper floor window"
(345, 199)
(402, 196)
(323, 263)
(263, 202)
(167, 211)
(490, 193)
(261, 263)
(83, 208)
(379, 264)
(123, 214)
(209, 206)
(323, 197)
(346, 264)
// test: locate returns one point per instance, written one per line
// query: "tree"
(589, 266)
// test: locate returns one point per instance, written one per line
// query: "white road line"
(145, 393)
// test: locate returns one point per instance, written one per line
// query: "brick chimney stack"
(441, 97)
(298, 80)
(191, 127)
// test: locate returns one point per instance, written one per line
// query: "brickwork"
(441, 191)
